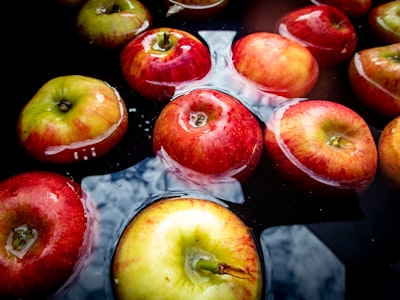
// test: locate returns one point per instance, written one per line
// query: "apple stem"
(64, 105)
(338, 141)
(221, 268)
(164, 42)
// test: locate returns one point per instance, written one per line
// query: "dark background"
(40, 42)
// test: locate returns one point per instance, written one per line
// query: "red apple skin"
(155, 72)
(229, 143)
(321, 146)
(374, 76)
(352, 8)
(389, 153)
(53, 205)
(324, 30)
(195, 9)
(384, 22)
(276, 64)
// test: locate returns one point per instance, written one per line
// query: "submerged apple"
(384, 22)
(186, 248)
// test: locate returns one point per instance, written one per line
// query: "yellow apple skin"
(153, 257)
(389, 153)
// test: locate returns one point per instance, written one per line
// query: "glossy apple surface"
(352, 8)
(324, 30)
(289, 69)
(320, 145)
(389, 153)
(374, 75)
(112, 23)
(159, 60)
(209, 132)
(384, 22)
(186, 248)
(44, 234)
(195, 9)
(71, 119)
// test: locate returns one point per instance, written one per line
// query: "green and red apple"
(209, 132)
(374, 77)
(71, 119)
(322, 147)
(275, 64)
(195, 9)
(110, 24)
(389, 153)
(324, 30)
(45, 234)
(384, 22)
(159, 60)
(352, 8)
(187, 248)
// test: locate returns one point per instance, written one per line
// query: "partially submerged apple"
(186, 248)
(384, 22)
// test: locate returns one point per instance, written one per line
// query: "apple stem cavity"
(220, 268)
(394, 57)
(163, 42)
(64, 105)
(198, 119)
(338, 141)
(20, 240)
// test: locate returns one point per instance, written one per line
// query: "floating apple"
(210, 132)
(112, 23)
(195, 9)
(384, 22)
(186, 248)
(352, 8)
(158, 60)
(320, 146)
(389, 153)
(45, 234)
(374, 76)
(276, 64)
(324, 30)
(72, 118)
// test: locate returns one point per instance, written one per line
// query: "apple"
(389, 153)
(289, 69)
(45, 234)
(111, 24)
(71, 119)
(210, 132)
(186, 248)
(195, 9)
(322, 147)
(384, 22)
(352, 8)
(324, 30)
(374, 78)
(159, 60)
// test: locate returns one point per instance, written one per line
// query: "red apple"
(110, 24)
(209, 132)
(389, 153)
(45, 234)
(157, 61)
(187, 248)
(352, 8)
(384, 22)
(320, 146)
(195, 9)
(276, 64)
(71, 119)
(374, 76)
(324, 30)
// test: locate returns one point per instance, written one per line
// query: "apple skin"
(389, 153)
(54, 206)
(155, 255)
(227, 144)
(110, 24)
(324, 30)
(321, 147)
(374, 78)
(94, 120)
(384, 22)
(158, 60)
(289, 69)
(195, 9)
(354, 9)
